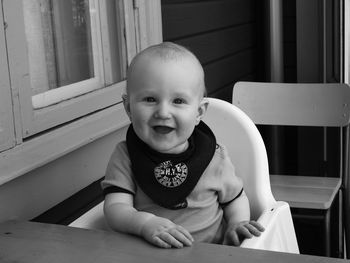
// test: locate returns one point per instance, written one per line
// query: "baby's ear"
(126, 103)
(202, 109)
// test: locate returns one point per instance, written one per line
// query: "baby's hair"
(167, 51)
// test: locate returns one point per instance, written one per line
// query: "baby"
(170, 182)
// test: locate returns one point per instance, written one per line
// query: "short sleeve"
(118, 177)
(231, 185)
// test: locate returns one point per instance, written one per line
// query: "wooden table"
(22, 241)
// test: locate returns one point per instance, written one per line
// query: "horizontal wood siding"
(219, 44)
(185, 19)
(226, 71)
(221, 33)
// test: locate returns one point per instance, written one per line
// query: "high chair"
(317, 105)
(237, 132)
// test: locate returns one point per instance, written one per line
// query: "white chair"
(239, 134)
(305, 104)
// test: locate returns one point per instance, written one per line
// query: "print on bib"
(170, 175)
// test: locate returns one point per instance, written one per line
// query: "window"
(64, 50)
(61, 60)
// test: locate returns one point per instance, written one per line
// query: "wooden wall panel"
(221, 33)
(226, 71)
(185, 19)
(219, 44)
(226, 91)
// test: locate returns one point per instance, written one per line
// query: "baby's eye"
(179, 101)
(149, 99)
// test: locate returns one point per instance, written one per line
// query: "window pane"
(65, 42)
(72, 41)
(59, 42)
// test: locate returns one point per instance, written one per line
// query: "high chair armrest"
(279, 234)
(92, 219)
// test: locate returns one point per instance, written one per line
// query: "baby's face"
(165, 102)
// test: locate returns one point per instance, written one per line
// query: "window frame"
(31, 121)
(7, 135)
(65, 92)
(102, 113)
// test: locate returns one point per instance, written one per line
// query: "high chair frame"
(233, 128)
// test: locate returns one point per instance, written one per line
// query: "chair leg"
(340, 251)
(323, 220)
(346, 221)
(338, 230)
(327, 233)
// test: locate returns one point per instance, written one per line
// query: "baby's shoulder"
(120, 150)
(121, 146)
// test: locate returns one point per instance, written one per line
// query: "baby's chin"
(171, 150)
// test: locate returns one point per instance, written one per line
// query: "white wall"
(37, 191)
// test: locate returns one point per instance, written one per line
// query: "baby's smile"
(162, 129)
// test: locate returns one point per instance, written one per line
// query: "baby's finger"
(245, 231)
(257, 225)
(185, 232)
(182, 236)
(170, 239)
(253, 230)
(159, 242)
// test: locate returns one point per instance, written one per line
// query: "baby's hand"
(164, 233)
(236, 233)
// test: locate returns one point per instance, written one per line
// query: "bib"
(169, 178)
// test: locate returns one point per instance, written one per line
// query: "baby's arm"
(239, 225)
(123, 217)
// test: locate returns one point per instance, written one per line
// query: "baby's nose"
(163, 111)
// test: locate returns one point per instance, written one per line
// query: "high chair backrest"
(234, 129)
